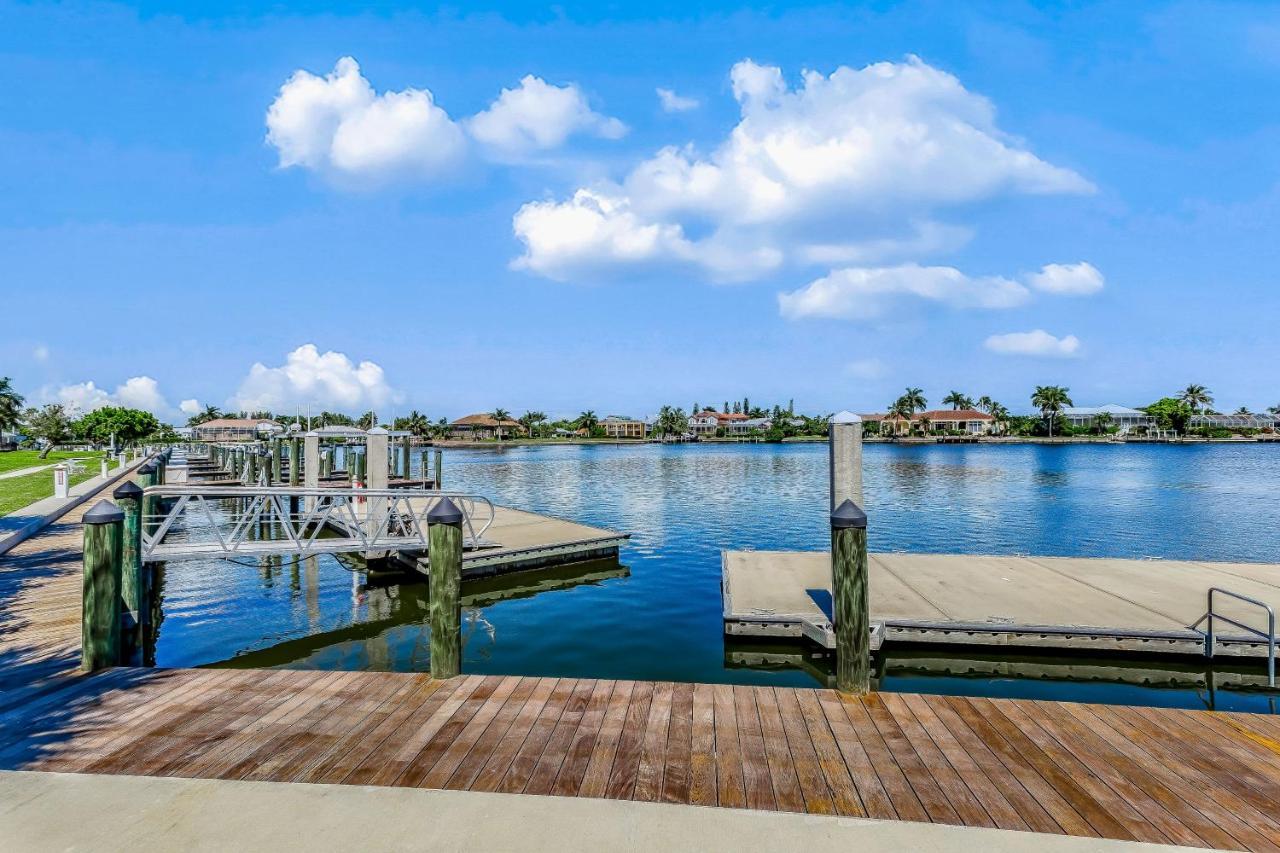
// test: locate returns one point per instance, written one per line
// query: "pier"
(1111, 605)
(1093, 771)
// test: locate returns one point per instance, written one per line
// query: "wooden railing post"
(849, 571)
(444, 554)
(133, 586)
(100, 607)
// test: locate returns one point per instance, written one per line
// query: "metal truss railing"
(192, 521)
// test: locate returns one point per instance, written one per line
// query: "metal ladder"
(1269, 635)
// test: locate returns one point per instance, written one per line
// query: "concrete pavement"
(70, 812)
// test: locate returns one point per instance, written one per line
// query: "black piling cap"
(848, 515)
(149, 468)
(129, 491)
(103, 512)
(445, 512)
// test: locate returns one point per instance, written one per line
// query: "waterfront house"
(747, 426)
(616, 426)
(1122, 417)
(234, 429)
(969, 421)
(481, 427)
(708, 422)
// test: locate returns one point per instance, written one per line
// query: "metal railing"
(223, 521)
(1210, 636)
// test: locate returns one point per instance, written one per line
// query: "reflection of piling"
(100, 604)
(849, 592)
(444, 555)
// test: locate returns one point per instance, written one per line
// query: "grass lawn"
(19, 459)
(18, 492)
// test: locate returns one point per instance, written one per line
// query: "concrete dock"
(1034, 602)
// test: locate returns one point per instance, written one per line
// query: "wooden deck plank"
(626, 759)
(595, 781)
(443, 730)
(702, 764)
(1069, 805)
(553, 755)
(391, 754)
(813, 787)
(843, 792)
(730, 786)
(473, 763)
(499, 763)
(676, 776)
(871, 793)
(782, 772)
(905, 801)
(526, 757)
(1089, 743)
(1002, 813)
(755, 763)
(918, 776)
(456, 748)
(966, 806)
(1115, 804)
(583, 744)
(653, 744)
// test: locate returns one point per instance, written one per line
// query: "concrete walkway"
(20, 524)
(22, 472)
(130, 813)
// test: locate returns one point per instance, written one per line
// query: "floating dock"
(1109, 605)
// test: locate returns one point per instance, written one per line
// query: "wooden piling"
(849, 572)
(404, 456)
(439, 469)
(133, 587)
(444, 555)
(100, 608)
(277, 460)
(295, 460)
(147, 477)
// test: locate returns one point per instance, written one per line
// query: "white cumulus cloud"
(673, 103)
(309, 377)
(865, 293)
(851, 164)
(138, 392)
(1080, 279)
(536, 116)
(190, 407)
(1035, 343)
(338, 124)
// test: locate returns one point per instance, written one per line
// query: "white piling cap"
(377, 431)
(845, 418)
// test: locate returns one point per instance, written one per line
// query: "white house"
(1122, 417)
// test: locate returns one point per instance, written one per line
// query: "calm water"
(657, 614)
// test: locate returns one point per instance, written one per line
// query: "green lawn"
(18, 492)
(19, 459)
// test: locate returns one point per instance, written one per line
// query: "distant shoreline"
(904, 441)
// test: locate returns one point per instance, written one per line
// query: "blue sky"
(973, 196)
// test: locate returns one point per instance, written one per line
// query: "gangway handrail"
(394, 522)
(1270, 634)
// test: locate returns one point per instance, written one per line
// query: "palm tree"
(957, 401)
(501, 416)
(1197, 397)
(985, 403)
(900, 409)
(1243, 410)
(530, 420)
(914, 399)
(1050, 399)
(999, 414)
(671, 422)
(588, 421)
(417, 423)
(1101, 421)
(10, 404)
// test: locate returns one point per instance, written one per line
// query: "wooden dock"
(1197, 778)
(1033, 602)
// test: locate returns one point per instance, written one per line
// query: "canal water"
(655, 614)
